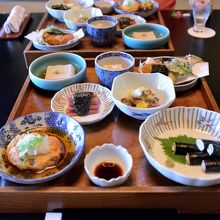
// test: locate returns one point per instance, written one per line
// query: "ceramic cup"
(102, 30)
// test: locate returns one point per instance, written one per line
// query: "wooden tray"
(12, 36)
(87, 50)
(146, 188)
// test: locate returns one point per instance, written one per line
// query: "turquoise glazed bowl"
(161, 32)
(39, 66)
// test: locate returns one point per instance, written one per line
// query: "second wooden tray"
(87, 50)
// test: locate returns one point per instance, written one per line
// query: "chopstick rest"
(15, 19)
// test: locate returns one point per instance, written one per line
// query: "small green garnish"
(29, 143)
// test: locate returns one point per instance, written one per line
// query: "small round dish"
(76, 18)
(134, 19)
(108, 155)
(59, 101)
(105, 6)
(55, 123)
(152, 36)
(159, 84)
(39, 66)
(114, 58)
(142, 13)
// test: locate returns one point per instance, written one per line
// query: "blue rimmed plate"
(59, 101)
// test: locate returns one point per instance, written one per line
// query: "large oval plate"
(142, 13)
(192, 122)
(56, 123)
(58, 102)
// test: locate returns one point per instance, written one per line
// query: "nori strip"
(196, 158)
(159, 68)
(183, 149)
(81, 102)
(213, 150)
(203, 144)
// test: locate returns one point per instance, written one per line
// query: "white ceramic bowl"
(108, 152)
(71, 15)
(106, 6)
(174, 125)
(161, 86)
(56, 13)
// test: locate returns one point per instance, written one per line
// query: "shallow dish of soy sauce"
(185, 125)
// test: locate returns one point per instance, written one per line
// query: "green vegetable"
(178, 66)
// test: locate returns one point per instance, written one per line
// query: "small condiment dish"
(106, 6)
(112, 58)
(110, 156)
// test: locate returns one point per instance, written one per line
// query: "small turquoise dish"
(161, 32)
(39, 65)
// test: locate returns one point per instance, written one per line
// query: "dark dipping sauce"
(108, 170)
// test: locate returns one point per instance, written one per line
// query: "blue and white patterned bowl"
(61, 58)
(169, 125)
(58, 124)
(161, 32)
(102, 35)
(161, 86)
(106, 76)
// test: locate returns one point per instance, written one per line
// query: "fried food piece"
(129, 6)
(155, 68)
(57, 39)
(31, 159)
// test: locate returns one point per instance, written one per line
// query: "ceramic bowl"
(39, 66)
(142, 13)
(108, 153)
(57, 13)
(54, 122)
(180, 124)
(135, 19)
(160, 32)
(161, 86)
(72, 16)
(105, 6)
(105, 75)
(102, 30)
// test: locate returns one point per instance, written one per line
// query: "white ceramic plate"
(58, 102)
(138, 20)
(192, 122)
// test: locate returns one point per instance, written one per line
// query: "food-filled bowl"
(145, 36)
(108, 165)
(108, 65)
(140, 95)
(24, 160)
(57, 70)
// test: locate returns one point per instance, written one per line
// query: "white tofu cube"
(60, 72)
(144, 35)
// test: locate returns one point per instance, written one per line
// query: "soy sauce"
(108, 170)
